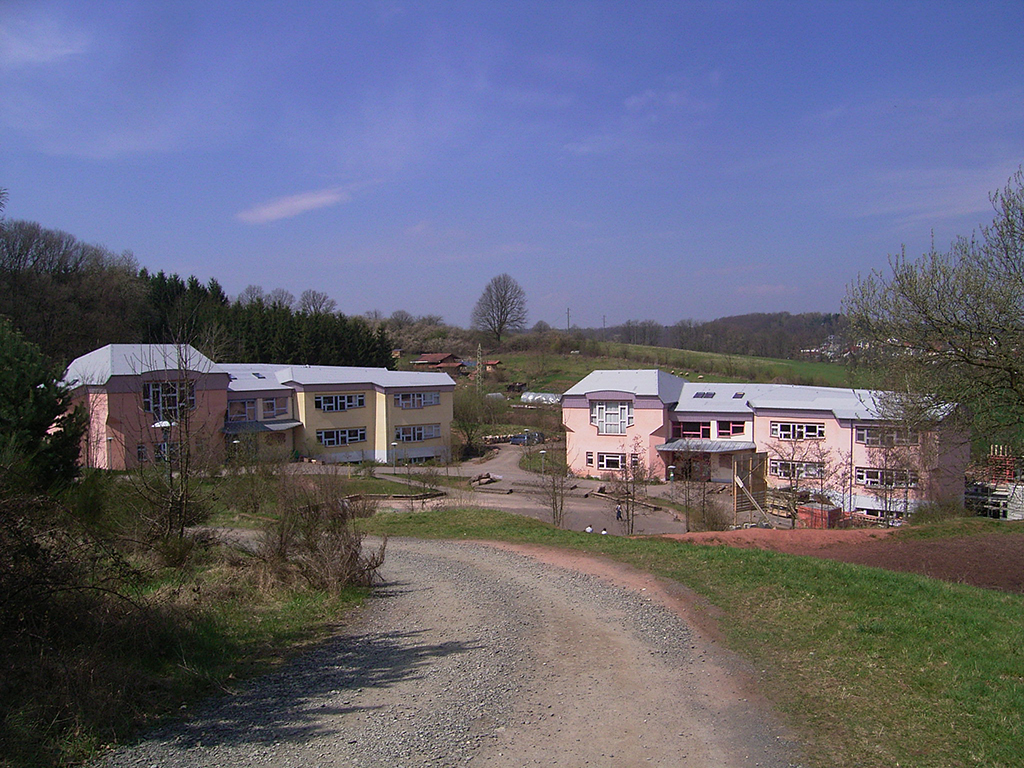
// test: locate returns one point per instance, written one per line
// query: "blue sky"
(633, 160)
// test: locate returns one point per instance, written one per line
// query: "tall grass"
(873, 668)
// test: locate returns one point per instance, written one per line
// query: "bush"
(313, 540)
(936, 511)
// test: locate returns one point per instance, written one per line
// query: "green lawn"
(873, 668)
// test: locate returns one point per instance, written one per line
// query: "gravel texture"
(478, 656)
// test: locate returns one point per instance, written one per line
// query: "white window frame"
(796, 470)
(798, 430)
(611, 462)
(333, 403)
(334, 437)
(417, 433)
(874, 477)
(885, 437)
(163, 398)
(611, 417)
(406, 400)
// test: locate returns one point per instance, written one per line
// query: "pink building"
(829, 440)
(143, 400)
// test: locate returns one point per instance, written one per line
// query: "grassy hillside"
(553, 372)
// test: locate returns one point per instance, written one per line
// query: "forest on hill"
(68, 298)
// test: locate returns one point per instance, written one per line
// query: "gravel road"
(474, 655)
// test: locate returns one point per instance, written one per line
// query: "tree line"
(68, 298)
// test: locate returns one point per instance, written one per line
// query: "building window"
(871, 477)
(703, 395)
(417, 399)
(731, 428)
(165, 451)
(796, 470)
(339, 402)
(164, 398)
(797, 431)
(590, 459)
(691, 429)
(417, 433)
(331, 437)
(242, 410)
(885, 436)
(141, 453)
(611, 417)
(611, 461)
(274, 407)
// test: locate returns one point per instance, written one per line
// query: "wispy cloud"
(30, 42)
(294, 205)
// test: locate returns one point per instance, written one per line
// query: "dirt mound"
(992, 561)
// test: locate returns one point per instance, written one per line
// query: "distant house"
(808, 434)
(491, 365)
(441, 361)
(142, 400)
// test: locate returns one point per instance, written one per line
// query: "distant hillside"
(779, 335)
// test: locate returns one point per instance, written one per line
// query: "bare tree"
(501, 308)
(949, 327)
(468, 414)
(253, 294)
(282, 298)
(630, 485)
(316, 303)
(810, 473)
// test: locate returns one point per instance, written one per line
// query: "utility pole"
(567, 320)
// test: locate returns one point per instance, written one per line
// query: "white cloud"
(294, 205)
(30, 42)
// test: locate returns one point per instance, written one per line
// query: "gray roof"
(726, 399)
(98, 366)
(250, 377)
(253, 377)
(312, 375)
(653, 383)
(855, 404)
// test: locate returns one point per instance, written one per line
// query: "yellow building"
(341, 414)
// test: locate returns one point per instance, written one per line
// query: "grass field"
(544, 372)
(873, 668)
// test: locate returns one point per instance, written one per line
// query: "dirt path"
(483, 656)
(520, 492)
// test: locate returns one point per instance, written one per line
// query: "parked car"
(528, 438)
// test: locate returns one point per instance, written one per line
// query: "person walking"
(618, 511)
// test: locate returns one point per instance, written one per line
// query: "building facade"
(831, 441)
(143, 401)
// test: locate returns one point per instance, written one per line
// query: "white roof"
(857, 404)
(653, 383)
(700, 397)
(96, 367)
(262, 376)
(253, 377)
(843, 403)
(733, 399)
